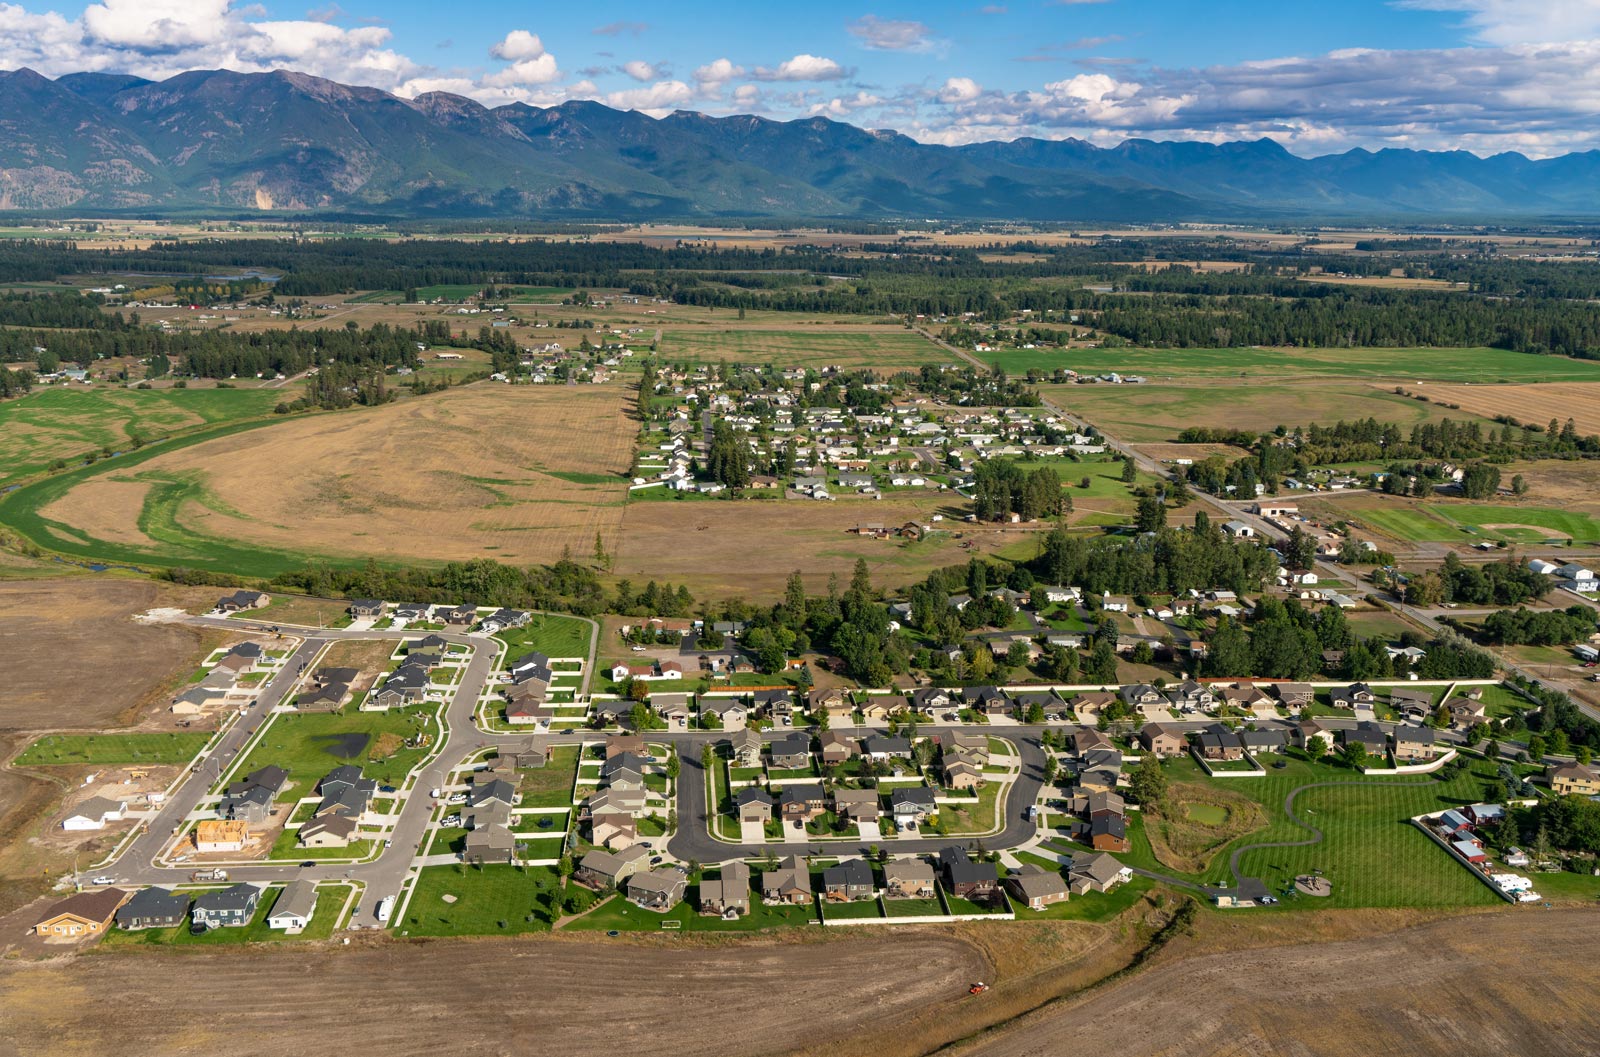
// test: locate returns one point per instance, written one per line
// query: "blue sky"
(1481, 75)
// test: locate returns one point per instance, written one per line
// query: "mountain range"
(236, 143)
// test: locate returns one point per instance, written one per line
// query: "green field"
(886, 349)
(550, 785)
(308, 746)
(112, 749)
(549, 634)
(489, 900)
(1373, 856)
(68, 424)
(1441, 365)
(1459, 522)
(1159, 412)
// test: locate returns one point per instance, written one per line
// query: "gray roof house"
(232, 907)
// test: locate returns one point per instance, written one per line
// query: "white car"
(638, 649)
(103, 880)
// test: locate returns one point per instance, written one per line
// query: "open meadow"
(884, 349)
(59, 423)
(1457, 521)
(1529, 404)
(1402, 365)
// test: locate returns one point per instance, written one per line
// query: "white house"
(1544, 568)
(1239, 530)
(94, 813)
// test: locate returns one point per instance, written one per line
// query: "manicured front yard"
(549, 634)
(113, 749)
(286, 847)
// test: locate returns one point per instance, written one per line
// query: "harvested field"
(1444, 991)
(518, 474)
(1528, 404)
(750, 547)
(452, 994)
(115, 664)
(1197, 452)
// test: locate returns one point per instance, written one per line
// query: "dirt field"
(1536, 404)
(733, 1000)
(75, 659)
(1437, 989)
(751, 547)
(516, 474)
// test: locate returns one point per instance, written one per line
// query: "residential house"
(490, 844)
(754, 804)
(1574, 779)
(1038, 888)
(1248, 697)
(232, 907)
(977, 882)
(1368, 735)
(154, 908)
(730, 712)
(1217, 742)
(1413, 743)
(848, 882)
(1087, 740)
(80, 916)
(912, 803)
(659, 890)
(1108, 832)
(613, 830)
(884, 747)
(858, 805)
(1048, 703)
(94, 813)
(876, 708)
(929, 700)
(728, 893)
(908, 879)
(746, 746)
(1096, 873)
(1295, 695)
(327, 831)
(791, 753)
(836, 747)
(834, 699)
(673, 709)
(603, 870)
(789, 883)
(989, 700)
(366, 607)
(801, 803)
(1356, 695)
(242, 600)
(1257, 741)
(1094, 702)
(1306, 731)
(462, 615)
(1163, 740)
(294, 908)
(1143, 695)
(962, 771)
(1412, 702)
(214, 836)
(1192, 696)
(631, 744)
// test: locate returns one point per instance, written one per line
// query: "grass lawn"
(286, 848)
(550, 785)
(958, 905)
(331, 899)
(549, 634)
(975, 816)
(60, 749)
(299, 609)
(488, 900)
(447, 840)
(1441, 522)
(623, 916)
(1373, 856)
(309, 746)
(866, 908)
(914, 908)
(1499, 702)
(1434, 364)
(1091, 906)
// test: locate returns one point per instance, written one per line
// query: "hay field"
(514, 473)
(1403, 366)
(1155, 413)
(750, 547)
(59, 423)
(1529, 404)
(888, 349)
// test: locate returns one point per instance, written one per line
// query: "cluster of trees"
(728, 458)
(74, 310)
(15, 383)
(1171, 561)
(1503, 583)
(1546, 627)
(974, 388)
(1002, 487)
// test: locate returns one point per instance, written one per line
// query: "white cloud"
(640, 70)
(843, 106)
(803, 68)
(884, 34)
(542, 70)
(156, 23)
(517, 46)
(661, 96)
(1520, 21)
(960, 90)
(713, 75)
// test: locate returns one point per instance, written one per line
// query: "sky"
(1478, 75)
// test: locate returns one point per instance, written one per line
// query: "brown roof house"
(1164, 739)
(81, 916)
(789, 883)
(727, 894)
(1038, 888)
(908, 879)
